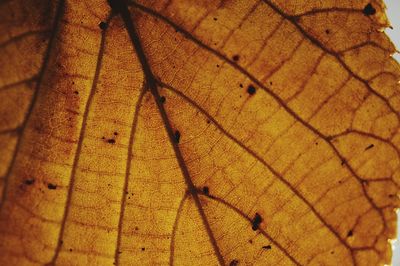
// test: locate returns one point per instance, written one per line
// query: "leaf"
(197, 133)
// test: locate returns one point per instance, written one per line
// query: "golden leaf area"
(197, 132)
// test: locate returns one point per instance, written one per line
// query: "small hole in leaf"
(111, 141)
(251, 90)
(29, 182)
(267, 247)
(350, 233)
(206, 190)
(103, 25)
(177, 136)
(255, 223)
(369, 10)
(234, 263)
(51, 186)
(162, 99)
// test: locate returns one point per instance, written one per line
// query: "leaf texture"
(197, 133)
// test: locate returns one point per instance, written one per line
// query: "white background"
(393, 12)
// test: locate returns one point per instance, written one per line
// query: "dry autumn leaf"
(197, 133)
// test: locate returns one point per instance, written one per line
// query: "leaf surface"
(197, 133)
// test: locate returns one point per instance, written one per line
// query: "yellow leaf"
(197, 133)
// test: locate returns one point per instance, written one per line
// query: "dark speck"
(29, 182)
(215, 19)
(251, 90)
(235, 58)
(177, 136)
(241, 85)
(115, 133)
(267, 247)
(103, 25)
(76, 92)
(369, 147)
(162, 99)
(234, 263)
(111, 141)
(51, 186)
(256, 222)
(295, 18)
(350, 233)
(143, 249)
(206, 191)
(327, 31)
(369, 10)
